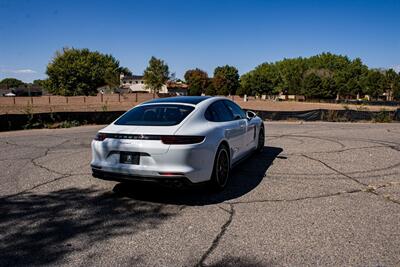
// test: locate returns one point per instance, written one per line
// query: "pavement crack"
(33, 161)
(367, 188)
(228, 211)
(384, 196)
(217, 239)
(335, 170)
(40, 185)
(38, 165)
(299, 199)
(340, 150)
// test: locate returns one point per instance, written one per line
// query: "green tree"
(392, 83)
(156, 74)
(357, 70)
(80, 72)
(246, 84)
(112, 78)
(312, 86)
(291, 73)
(373, 83)
(396, 88)
(328, 87)
(266, 79)
(341, 77)
(125, 71)
(197, 81)
(11, 83)
(335, 75)
(226, 80)
(210, 90)
(39, 82)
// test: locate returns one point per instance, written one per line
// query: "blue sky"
(203, 34)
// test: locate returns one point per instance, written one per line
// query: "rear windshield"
(155, 115)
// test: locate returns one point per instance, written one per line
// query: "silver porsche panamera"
(187, 139)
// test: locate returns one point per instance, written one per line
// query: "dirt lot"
(302, 106)
(21, 105)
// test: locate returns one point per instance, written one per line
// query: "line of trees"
(324, 76)
(225, 81)
(12, 83)
(321, 76)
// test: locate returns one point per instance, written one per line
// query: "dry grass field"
(20, 105)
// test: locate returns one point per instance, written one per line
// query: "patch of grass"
(382, 116)
(69, 124)
(331, 115)
(65, 124)
(334, 116)
(31, 123)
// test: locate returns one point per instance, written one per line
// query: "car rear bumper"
(192, 162)
(176, 181)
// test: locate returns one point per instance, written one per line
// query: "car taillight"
(100, 136)
(166, 139)
(181, 139)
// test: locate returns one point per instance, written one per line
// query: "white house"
(136, 84)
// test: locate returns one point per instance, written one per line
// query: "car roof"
(194, 100)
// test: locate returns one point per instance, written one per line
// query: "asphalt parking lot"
(319, 194)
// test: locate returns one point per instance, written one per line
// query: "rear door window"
(238, 113)
(217, 111)
(155, 115)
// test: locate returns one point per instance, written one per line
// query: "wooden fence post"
(136, 97)
(101, 95)
(49, 100)
(31, 100)
(14, 99)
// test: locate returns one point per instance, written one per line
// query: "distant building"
(131, 79)
(28, 91)
(177, 88)
(3, 92)
(23, 90)
(135, 84)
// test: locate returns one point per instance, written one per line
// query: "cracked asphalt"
(320, 194)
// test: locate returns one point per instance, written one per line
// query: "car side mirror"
(250, 114)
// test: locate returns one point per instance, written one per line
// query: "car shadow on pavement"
(48, 227)
(244, 178)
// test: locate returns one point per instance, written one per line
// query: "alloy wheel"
(222, 171)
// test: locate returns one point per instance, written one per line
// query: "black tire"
(261, 140)
(221, 169)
